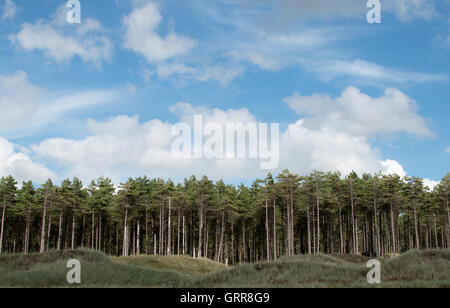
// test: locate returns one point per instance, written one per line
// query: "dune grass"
(179, 264)
(425, 269)
(49, 270)
(412, 269)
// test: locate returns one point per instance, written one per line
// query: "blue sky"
(99, 98)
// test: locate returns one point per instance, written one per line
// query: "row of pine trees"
(373, 215)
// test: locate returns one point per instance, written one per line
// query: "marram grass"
(410, 270)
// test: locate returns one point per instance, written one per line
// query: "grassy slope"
(97, 270)
(413, 269)
(179, 264)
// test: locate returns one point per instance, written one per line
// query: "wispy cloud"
(366, 72)
(27, 108)
(9, 9)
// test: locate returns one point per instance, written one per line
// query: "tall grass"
(97, 270)
(412, 269)
(179, 264)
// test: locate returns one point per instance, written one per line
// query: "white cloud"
(393, 167)
(61, 41)
(360, 114)
(123, 146)
(9, 9)
(366, 72)
(26, 107)
(304, 149)
(142, 38)
(447, 150)
(17, 100)
(20, 165)
(430, 183)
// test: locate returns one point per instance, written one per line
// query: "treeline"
(373, 215)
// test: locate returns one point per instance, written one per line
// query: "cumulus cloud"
(393, 167)
(124, 146)
(164, 53)
(430, 183)
(9, 9)
(61, 41)
(141, 35)
(304, 149)
(26, 107)
(20, 165)
(360, 114)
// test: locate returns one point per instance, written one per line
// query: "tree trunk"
(448, 228)
(92, 231)
(100, 231)
(292, 222)
(274, 231)
(73, 231)
(354, 231)
(416, 227)
(308, 222)
(27, 232)
(169, 233)
(184, 235)
(267, 230)
(125, 235)
(82, 231)
(341, 232)
(222, 232)
(138, 238)
(146, 230)
(178, 231)
(435, 232)
(200, 229)
(376, 230)
(2, 226)
(394, 244)
(318, 219)
(160, 230)
(42, 244)
(60, 230)
(48, 231)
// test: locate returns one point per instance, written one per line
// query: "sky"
(100, 98)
